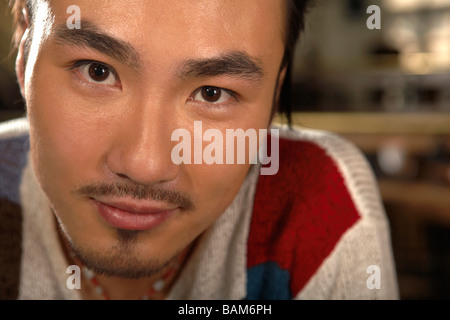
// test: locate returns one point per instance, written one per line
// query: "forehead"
(201, 26)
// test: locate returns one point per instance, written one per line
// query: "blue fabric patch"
(13, 158)
(267, 281)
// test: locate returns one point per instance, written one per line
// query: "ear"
(20, 59)
(20, 65)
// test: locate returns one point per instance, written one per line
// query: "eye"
(96, 72)
(214, 95)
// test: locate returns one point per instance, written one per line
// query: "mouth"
(132, 215)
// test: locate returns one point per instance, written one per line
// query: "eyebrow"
(92, 37)
(234, 63)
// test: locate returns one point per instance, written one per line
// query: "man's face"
(104, 100)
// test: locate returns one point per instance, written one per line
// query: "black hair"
(295, 24)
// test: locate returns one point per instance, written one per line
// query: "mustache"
(136, 191)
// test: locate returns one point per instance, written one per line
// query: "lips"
(131, 215)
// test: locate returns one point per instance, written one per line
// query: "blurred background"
(388, 91)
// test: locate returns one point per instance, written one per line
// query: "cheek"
(219, 180)
(64, 143)
(218, 184)
(66, 149)
(215, 187)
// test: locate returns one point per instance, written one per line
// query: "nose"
(142, 148)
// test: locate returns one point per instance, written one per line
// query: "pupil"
(98, 72)
(211, 94)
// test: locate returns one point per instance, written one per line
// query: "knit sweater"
(315, 230)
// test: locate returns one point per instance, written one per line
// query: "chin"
(123, 258)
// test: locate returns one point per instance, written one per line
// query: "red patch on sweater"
(300, 213)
